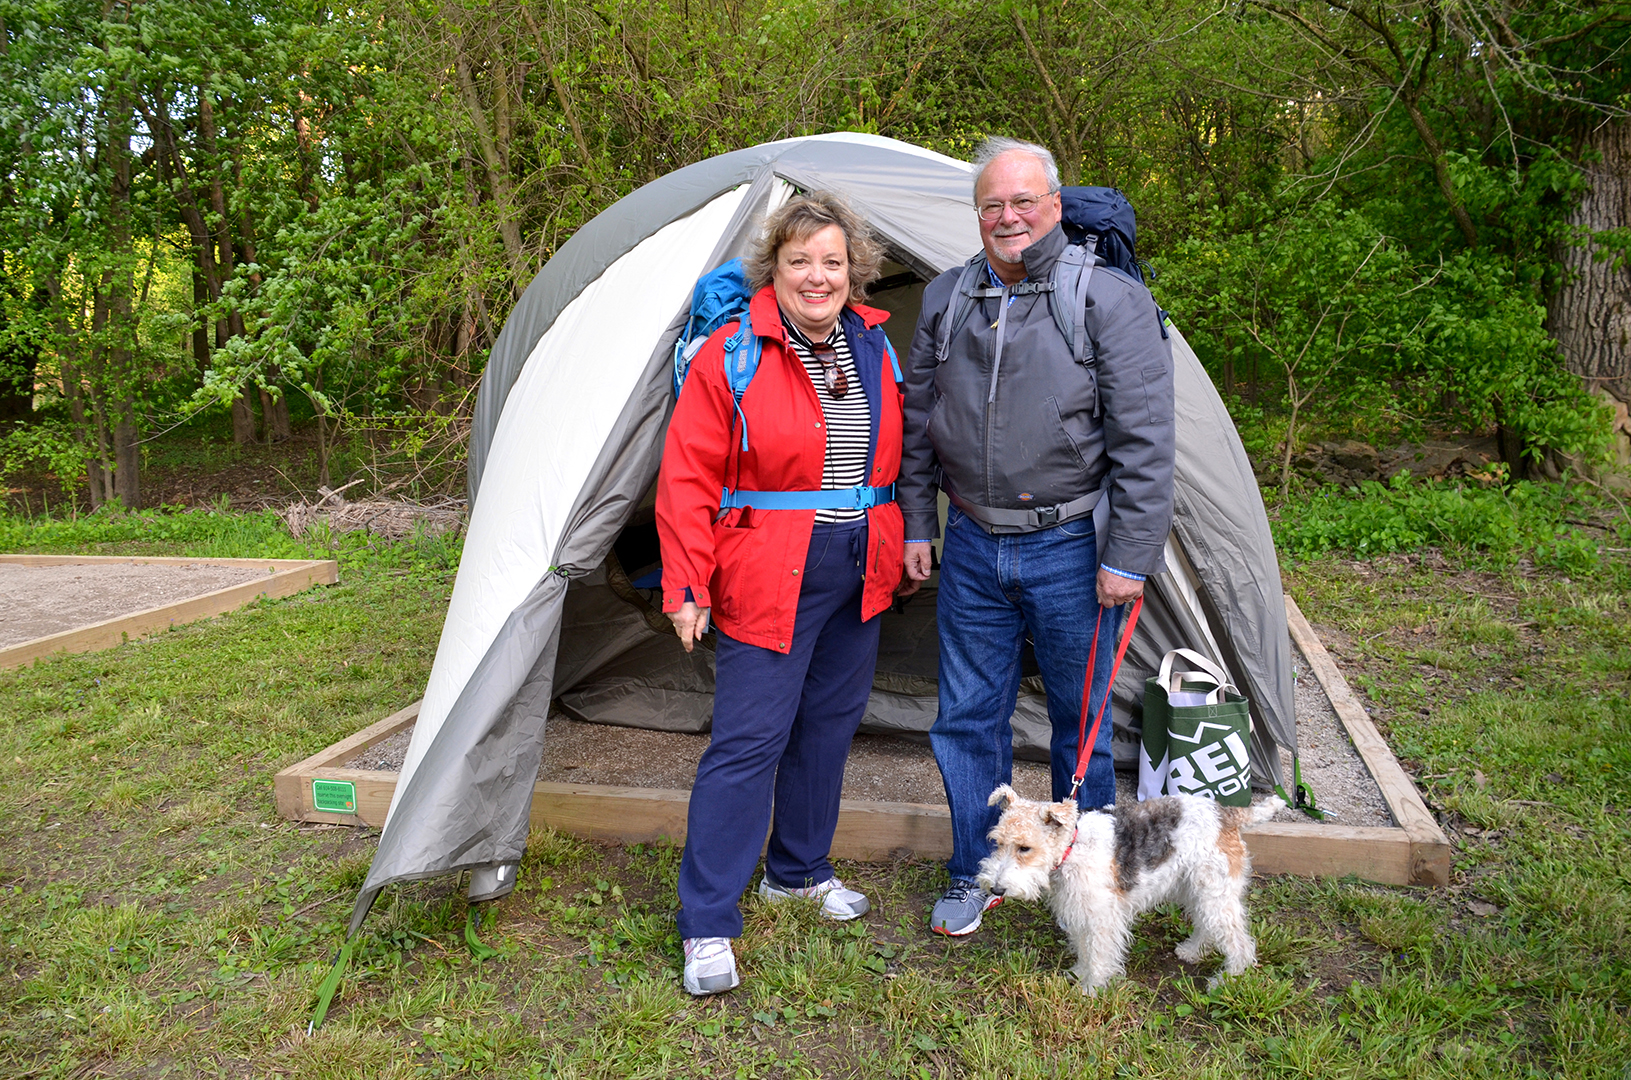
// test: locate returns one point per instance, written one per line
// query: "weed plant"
(1499, 523)
(156, 918)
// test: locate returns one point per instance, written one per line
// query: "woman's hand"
(690, 623)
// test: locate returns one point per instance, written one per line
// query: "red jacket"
(747, 566)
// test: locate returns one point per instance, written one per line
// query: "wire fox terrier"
(1101, 871)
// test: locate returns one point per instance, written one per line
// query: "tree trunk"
(201, 331)
(127, 456)
(243, 419)
(1590, 315)
(123, 381)
(275, 412)
(493, 138)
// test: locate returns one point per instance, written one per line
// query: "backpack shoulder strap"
(1068, 300)
(742, 351)
(962, 302)
(889, 349)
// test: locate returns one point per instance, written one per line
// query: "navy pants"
(781, 734)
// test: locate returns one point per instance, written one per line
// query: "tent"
(554, 598)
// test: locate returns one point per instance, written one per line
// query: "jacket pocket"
(1064, 432)
(1158, 394)
(734, 551)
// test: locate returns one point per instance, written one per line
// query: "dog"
(1102, 869)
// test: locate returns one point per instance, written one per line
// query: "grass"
(156, 918)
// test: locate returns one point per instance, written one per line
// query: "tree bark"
(1590, 315)
(201, 330)
(493, 137)
(275, 412)
(243, 420)
(122, 383)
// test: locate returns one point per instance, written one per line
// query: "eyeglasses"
(1022, 204)
(831, 373)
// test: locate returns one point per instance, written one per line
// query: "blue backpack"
(721, 296)
(1105, 214)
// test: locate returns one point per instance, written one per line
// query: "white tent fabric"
(591, 357)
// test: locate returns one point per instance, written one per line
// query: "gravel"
(37, 601)
(888, 768)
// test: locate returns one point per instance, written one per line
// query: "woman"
(793, 593)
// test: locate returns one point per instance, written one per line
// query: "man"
(1025, 440)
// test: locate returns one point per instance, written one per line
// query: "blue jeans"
(993, 589)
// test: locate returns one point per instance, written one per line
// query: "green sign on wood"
(335, 796)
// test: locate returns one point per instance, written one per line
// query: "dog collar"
(1073, 835)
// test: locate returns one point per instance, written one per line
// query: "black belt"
(1041, 517)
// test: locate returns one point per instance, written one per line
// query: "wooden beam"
(350, 747)
(374, 791)
(269, 565)
(1307, 849)
(867, 831)
(291, 787)
(286, 577)
(629, 815)
(1430, 848)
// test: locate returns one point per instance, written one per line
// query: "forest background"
(251, 221)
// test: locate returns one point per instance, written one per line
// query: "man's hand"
(1115, 590)
(690, 623)
(919, 565)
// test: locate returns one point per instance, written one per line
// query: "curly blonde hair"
(803, 216)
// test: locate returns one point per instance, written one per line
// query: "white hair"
(997, 145)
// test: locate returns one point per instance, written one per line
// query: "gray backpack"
(1067, 299)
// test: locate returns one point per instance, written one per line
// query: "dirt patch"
(889, 768)
(1349, 461)
(36, 601)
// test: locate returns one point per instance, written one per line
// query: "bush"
(1405, 515)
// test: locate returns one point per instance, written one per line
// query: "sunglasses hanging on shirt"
(831, 374)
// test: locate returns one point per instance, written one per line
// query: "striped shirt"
(848, 421)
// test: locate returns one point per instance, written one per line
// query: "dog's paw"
(1190, 952)
(1222, 976)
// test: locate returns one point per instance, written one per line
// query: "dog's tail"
(1264, 809)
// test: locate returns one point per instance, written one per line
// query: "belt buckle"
(1047, 516)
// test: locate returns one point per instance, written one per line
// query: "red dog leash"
(1086, 740)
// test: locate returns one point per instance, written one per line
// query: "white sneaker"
(837, 902)
(710, 966)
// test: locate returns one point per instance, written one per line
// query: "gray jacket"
(1047, 430)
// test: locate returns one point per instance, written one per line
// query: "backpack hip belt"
(1030, 520)
(861, 497)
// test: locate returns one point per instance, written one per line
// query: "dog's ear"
(1060, 815)
(1003, 792)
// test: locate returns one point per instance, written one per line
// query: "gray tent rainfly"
(555, 596)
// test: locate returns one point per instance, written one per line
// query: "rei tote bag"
(1196, 732)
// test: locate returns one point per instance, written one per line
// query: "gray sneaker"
(710, 966)
(959, 911)
(837, 902)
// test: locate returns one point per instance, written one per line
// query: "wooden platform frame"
(1414, 851)
(284, 577)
